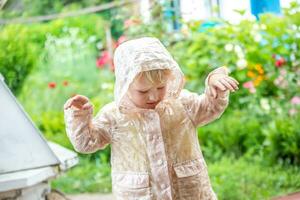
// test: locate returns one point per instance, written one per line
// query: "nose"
(153, 96)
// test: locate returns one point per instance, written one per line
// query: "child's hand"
(222, 82)
(78, 101)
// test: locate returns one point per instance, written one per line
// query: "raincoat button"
(163, 186)
(159, 162)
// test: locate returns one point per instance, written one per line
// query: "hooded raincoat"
(155, 153)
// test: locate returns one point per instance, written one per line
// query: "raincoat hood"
(138, 55)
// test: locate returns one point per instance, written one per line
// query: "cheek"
(139, 98)
(162, 93)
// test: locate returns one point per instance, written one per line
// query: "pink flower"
(295, 100)
(250, 86)
(104, 59)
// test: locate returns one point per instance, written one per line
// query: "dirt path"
(91, 197)
(295, 196)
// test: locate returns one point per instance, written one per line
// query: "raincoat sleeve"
(88, 134)
(204, 108)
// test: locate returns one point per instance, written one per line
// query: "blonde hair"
(156, 75)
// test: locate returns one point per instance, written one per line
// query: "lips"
(152, 103)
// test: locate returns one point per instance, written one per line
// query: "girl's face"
(145, 94)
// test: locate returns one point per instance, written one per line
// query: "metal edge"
(31, 122)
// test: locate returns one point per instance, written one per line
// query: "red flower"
(280, 62)
(51, 85)
(104, 59)
(65, 83)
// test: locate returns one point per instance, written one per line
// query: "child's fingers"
(227, 85)
(80, 98)
(69, 103)
(87, 106)
(77, 104)
(220, 86)
(233, 80)
(78, 101)
(232, 83)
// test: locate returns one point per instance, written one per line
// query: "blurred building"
(207, 9)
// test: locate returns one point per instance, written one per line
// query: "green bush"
(236, 133)
(17, 56)
(22, 46)
(283, 140)
(250, 179)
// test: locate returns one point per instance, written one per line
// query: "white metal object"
(21, 146)
(27, 160)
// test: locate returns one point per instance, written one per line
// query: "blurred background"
(54, 49)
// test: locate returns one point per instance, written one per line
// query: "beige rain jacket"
(155, 154)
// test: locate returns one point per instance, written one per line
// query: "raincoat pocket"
(131, 186)
(192, 180)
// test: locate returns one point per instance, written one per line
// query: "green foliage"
(283, 139)
(17, 56)
(22, 45)
(250, 179)
(235, 134)
(240, 132)
(87, 176)
(25, 8)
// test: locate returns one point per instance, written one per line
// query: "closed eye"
(160, 88)
(143, 92)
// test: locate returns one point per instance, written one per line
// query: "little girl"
(151, 125)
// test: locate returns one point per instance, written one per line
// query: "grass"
(87, 177)
(252, 179)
